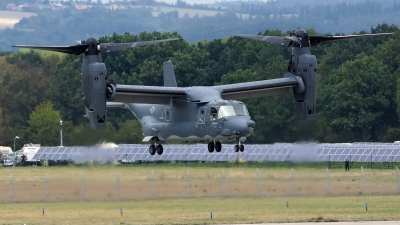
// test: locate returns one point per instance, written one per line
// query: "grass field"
(72, 183)
(9, 18)
(95, 195)
(197, 211)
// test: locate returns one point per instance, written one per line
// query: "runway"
(339, 223)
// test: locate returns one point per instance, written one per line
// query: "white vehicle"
(5, 150)
(8, 161)
(30, 150)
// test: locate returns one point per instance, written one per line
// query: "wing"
(258, 88)
(147, 94)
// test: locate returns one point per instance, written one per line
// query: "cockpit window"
(213, 113)
(241, 110)
(226, 110)
(246, 112)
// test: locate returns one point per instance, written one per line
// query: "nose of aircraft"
(251, 123)
(240, 125)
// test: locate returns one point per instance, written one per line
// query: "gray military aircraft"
(199, 114)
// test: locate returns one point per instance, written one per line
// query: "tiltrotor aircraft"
(203, 114)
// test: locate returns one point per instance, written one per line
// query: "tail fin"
(169, 74)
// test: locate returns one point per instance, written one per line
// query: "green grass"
(171, 206)
(269, 165)
(197, 211)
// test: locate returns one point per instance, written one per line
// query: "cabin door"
(201, 127)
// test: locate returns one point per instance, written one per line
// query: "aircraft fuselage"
(221, 120)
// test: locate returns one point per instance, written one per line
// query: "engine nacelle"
(306, 100)
(95, 86)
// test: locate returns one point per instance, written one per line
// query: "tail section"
(169, 74)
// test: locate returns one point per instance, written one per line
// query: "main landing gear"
(239, 147)
(217, 146)
(153, 149)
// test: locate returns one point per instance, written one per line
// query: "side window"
(213, 113)
(167, 114)
(202, 115)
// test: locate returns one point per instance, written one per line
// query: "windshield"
(226, 110)
(241, 110)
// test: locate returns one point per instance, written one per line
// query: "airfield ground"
(61, 195)
(75, 183)
(197, 210)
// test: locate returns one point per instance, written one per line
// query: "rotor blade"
(113, 47)
(319, 40)
(74, 49)
(283, 41)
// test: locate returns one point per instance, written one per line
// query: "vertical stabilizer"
(169, 74)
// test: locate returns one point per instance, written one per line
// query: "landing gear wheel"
(159, 149)
(211, 146)
(242, 148)
(236, 148)
(152, 149)
(218, 146)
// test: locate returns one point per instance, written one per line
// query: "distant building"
(12, 6)
(42, 6)
(21, 7)
(283, 16)
(114, 7)
(80, 6)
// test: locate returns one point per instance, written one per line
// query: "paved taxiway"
(339, 223)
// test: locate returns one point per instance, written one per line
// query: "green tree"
(43, 125)
(357, 101)
(82, 134)
(65, 89)
(23, 86)
(1, 127)
(129, 132)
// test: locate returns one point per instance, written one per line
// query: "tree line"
(357, 100)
